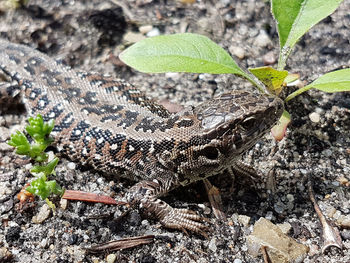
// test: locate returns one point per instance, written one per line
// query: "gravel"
(89, 35)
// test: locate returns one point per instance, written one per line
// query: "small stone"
(331, 211)
(345, 234)
(314, 117)
(43, 214)
(44, 243)
(72, 239)
(71, 166)
(237, 51)
(279, 207)
(269, 215)
(314, 250)
(153, 33)
(212, 245)
(173, 75)
(279, 246)
(269, 58)
(131, 37)
(5, 255)
(111, 258)
(237, 260)
(244, 220)
(134, 218)
(327, 153)
(344, 221)
(290, 197)
(5, 147)
(343, 181)
(262, 40)
(145, 29)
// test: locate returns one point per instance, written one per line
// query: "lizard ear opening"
(210, 152)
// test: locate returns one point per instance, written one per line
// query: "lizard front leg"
(145, 194)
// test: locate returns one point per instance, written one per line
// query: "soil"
(89, 35)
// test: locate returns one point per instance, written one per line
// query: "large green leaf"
(334, 81)
(180, 53)
(295, 18)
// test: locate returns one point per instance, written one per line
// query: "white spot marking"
(114, 146)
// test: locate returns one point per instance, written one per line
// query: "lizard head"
(227, 126)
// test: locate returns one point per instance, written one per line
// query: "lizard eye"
(210, 152)
(248, 123)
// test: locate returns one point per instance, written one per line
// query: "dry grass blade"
(90, 197)
(330, 234)
(121, 244)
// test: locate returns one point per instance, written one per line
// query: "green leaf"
(272, 78)
(180, 53)
(295, 18)
(335, 81)
(46, 169)
(43, 188)
(20, 142)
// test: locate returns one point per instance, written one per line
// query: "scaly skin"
(110, 125)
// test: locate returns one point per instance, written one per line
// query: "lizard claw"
(184, 219)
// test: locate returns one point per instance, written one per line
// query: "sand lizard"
(108, 124)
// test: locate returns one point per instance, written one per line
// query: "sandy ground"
(89, 35)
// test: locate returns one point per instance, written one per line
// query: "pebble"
(262, 40)
(345, 234)
(269, 215)
(71, 166)
(290, 197)
(269, 58)
(145, 29)
(279, 246)
(111, 258)
(344, 221)
(131, 37)
(153, 33)
(72, 239)
(314, 117)
(237, 51)
(43, 214)
(327, 153)
(279, 207)
(212, 245)
(244, 220)
(237, 260)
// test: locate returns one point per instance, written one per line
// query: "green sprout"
(39, 131)
(195, 53)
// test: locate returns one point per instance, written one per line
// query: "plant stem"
(297, 92)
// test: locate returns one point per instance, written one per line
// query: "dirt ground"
(89, 35)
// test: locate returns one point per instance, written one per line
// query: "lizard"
(111, 126)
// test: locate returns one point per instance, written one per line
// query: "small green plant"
(198, 54)
(39, 131)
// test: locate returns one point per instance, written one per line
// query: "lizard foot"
(183, 219)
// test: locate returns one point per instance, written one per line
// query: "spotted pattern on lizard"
(108, 124)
